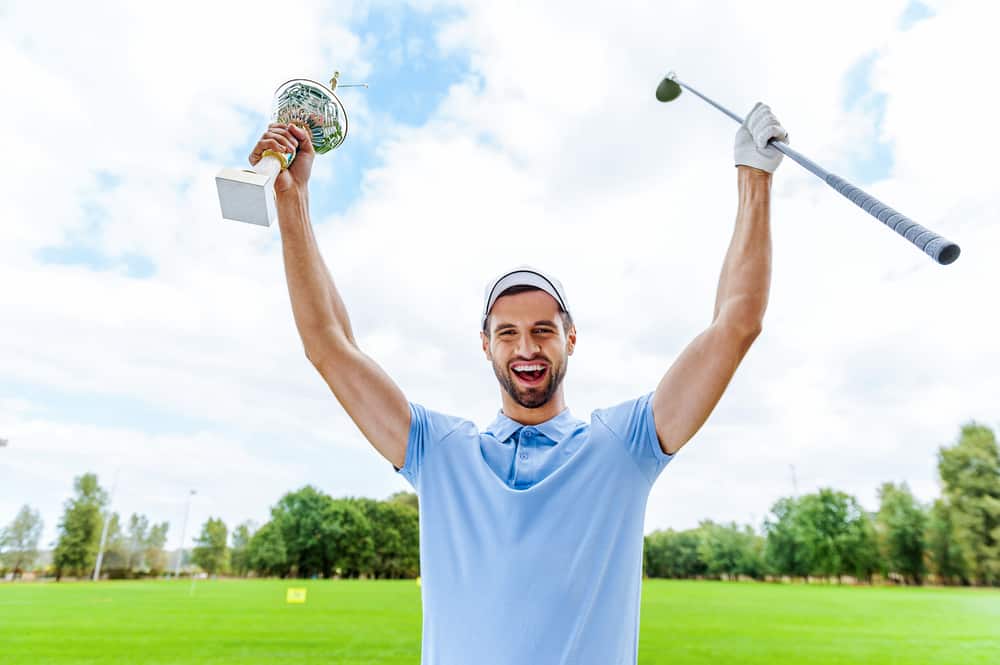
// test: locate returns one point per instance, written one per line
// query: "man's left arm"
(689, 391)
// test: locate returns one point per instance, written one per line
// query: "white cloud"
(552, 151)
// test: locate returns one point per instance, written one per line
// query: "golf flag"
(296, 595)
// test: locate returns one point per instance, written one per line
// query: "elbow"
(752, 330)
(746, 323)
(745, 333)
(325, 346)
(312, 356)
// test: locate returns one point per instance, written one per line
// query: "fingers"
(764, 126)
(276, 137)
(762, 138)
(267, 144)
(281, 134)
(303, 137)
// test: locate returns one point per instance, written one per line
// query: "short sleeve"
(426, 429)
(632, 423)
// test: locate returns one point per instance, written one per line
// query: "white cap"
(523, 276)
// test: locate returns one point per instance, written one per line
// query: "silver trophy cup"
(248, 196)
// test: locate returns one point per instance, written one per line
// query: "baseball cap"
(523, 276)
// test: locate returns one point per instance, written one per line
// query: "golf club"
(938, 248)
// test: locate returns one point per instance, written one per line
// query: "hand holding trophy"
(307, 119)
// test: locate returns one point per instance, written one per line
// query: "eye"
(506, 333)
(544, 331)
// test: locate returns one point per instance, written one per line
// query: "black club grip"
(938, 248)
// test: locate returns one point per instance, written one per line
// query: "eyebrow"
(505, 326)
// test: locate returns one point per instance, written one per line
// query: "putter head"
(669, 89)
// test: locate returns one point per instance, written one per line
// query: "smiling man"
(531, 531)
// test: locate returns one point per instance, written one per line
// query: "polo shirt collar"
(555, 429)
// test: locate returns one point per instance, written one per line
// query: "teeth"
(529, 368)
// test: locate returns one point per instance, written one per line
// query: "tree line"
(311, 534)
(827, 534)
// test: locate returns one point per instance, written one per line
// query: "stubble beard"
(532, 398)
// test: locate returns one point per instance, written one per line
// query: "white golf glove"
(751, 147)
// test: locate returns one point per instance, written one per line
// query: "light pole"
(180, 552)
(104, 531)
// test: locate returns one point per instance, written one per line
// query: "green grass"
(357, 622)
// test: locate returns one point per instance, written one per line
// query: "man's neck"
(526, 416)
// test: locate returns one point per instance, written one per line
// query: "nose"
(527, 347)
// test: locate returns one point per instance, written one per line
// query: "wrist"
(749, 176)
(745, 170)
(296, 194)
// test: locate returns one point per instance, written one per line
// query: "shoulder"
(631, 424)
(628, 420)
(428, 430)
(430, 426)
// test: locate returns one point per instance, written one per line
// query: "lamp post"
(180, 552)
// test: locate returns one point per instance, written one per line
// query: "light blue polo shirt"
(531, 536)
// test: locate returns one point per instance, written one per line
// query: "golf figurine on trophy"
(248, 196)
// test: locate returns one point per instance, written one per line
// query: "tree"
(240, 554)
(673, 554)
(406, 498)
(786, 551)
(19, 540)
(970, 475)
(901, 525)
(80, 528)
(210, 552)
(115, 561)
(154, 557)
(301, 517)
(266, 553)
(349, 548)
(730, 551)
(137, 534)
(945, 554)
(826, 534)
(839, 536)
(395, 529)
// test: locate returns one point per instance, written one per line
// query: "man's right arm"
(374, 402)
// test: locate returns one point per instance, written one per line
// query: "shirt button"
(524, 455)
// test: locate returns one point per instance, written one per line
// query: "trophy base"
(246, 196)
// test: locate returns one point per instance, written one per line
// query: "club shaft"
(937, 247)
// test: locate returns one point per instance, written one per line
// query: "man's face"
(528, 346)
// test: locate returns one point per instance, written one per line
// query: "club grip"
(938, 248)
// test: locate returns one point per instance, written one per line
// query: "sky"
(147, 340)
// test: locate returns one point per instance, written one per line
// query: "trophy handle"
(270, 165)
(283, 160)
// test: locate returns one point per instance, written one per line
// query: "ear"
(571, 340)
(486, 345)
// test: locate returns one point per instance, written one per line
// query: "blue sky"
(146, 334)
(412, 77)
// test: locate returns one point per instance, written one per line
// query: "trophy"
(248, 196)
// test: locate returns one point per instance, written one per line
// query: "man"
(531, 531)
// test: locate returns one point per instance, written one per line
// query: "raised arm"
(374, 402)
(689, 391)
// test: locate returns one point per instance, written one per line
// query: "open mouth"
(530, 374)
